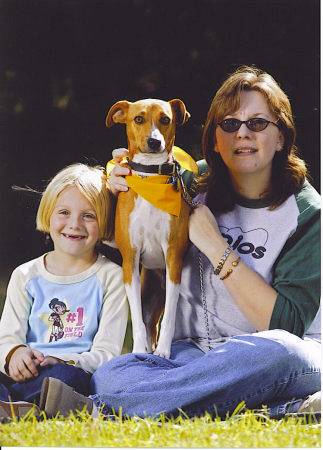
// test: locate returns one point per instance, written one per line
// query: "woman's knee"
(288, 349)
(123, 371)
(304, 348)
(111, 374)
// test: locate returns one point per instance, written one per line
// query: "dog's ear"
(179, 111)
(118, 113)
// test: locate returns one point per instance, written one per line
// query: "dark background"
(63, 63)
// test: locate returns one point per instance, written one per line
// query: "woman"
(247, 325)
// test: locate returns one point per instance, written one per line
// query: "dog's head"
(150, 123)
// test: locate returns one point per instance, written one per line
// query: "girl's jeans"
(30, 390)
(272, 368)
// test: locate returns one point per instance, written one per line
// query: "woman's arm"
(297, 271)
(244, 285)
(291, 303)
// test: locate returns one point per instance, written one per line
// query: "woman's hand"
(23, 364)
(204, 232)
(117, 182)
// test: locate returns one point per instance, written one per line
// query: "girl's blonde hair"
(92, 183)
(288, 170)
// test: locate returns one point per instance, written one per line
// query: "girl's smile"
(74, 236)
(74, 230)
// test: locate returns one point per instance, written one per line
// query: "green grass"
(239, 431)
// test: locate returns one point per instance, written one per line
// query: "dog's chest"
(149, 233)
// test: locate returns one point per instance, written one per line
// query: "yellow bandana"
(185, 160)
(156, 189)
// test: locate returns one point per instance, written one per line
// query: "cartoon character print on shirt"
(252, 242)
(59, 308)
(62, 322)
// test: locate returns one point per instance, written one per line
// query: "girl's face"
(249, 154)
(73, 225)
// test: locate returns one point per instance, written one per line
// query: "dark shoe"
(57, 398)
(17, 410)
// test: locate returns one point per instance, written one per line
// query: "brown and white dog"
(145, 234)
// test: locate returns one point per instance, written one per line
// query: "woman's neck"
(67, 265)
(250, 186)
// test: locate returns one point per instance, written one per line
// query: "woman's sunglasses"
(255, 124)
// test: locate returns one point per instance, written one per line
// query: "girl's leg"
(4, 393)
(262, 368)
(30, 391)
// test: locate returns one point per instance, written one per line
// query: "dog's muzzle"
(154, 145)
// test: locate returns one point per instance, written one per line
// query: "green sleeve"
(297, 270)
(189, 177)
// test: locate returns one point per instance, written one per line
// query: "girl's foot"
(57, 397)
(17, 410)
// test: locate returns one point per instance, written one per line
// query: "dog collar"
(159, 169)
(184, 159)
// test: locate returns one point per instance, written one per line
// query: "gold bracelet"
(229, 271)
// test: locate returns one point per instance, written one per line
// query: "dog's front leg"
(167, 326)
(153, 290)
(139, 333)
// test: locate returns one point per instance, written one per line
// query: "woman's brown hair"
(288, 170)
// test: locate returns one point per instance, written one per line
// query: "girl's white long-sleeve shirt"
(85, 324)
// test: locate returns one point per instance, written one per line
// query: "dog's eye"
(139, 120)
(164, 120)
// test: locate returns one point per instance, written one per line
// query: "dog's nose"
(154, 144)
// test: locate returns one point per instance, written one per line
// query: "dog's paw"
(162, 352)
(140, 347)
(139, 350)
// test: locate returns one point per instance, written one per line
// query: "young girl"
(66, 311)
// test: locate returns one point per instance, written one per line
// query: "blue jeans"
(29, 391)
(273, 368)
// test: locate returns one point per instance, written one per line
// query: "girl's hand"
(49, 361)
(23, 364)
(117, 182)
(203, 230)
